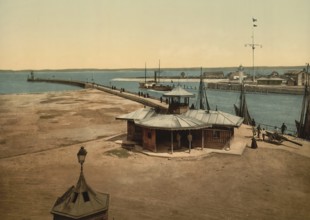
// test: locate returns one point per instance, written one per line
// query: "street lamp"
(81, 156)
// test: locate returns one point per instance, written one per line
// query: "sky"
(60, 34)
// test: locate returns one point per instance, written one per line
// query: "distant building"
(214, 75)
(269, 81)
(236, 75)
(298, 76)
(291, 82)
(274, 74)
(239, 75)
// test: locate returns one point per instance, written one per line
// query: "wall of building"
(216, 138)
(134, 133)
(130, 130)
(269, 82)
(149, 139)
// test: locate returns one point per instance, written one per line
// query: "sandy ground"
(41, 134)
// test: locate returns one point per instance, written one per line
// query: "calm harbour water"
(269, 109)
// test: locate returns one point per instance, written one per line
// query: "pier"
(253, 88)
(147, 101)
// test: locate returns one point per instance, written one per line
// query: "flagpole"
(253, 46)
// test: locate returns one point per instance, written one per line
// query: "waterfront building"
(181, 127)
(237, 75)
(269, 81)
(298, 76)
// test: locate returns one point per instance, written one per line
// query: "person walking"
(254, 131)
(258, 131)
(283, 128)
(264, 134)
(253, 122)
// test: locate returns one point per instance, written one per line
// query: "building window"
(216, 134)
(75, 195)
(85, 196)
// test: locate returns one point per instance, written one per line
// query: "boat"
(303, 125)
(202, 100)
(242, 110)
(154, 84)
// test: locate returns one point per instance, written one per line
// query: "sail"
(242, 110)
(202, 100)
(237, 110)
(245, 113)
(303, 125)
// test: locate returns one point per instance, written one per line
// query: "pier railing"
(273, 127)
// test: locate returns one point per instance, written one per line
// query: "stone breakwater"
(280, 89)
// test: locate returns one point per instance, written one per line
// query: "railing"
(272, 128)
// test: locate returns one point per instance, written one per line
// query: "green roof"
(80, 201)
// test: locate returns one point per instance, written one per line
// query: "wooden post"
(155, 140)
(171, 142)
(189, 138)
(202, 139)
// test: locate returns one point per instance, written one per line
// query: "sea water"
(269, 110)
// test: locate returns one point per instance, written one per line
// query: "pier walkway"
(147, 101)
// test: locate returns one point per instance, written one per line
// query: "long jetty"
(251, 88)
(145, 100)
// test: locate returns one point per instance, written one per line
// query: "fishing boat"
(242, 110)
(202, 100)
(154, 84)
(303, 125)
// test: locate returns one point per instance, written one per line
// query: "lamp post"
(81, 156)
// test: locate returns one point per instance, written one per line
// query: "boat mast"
(305, 108)
(202, 100)
(243, 111)
(241, 106)
(145, 72)
(158, 71)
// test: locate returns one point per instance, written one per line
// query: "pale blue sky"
(55, 34)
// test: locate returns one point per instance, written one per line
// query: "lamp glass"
(81, 155)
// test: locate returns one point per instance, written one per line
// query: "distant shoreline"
(150, 69)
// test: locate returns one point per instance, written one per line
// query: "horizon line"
(142, 68)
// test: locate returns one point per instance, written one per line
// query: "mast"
(303, 126)
(242, 110)
(253, 45)
(202, 100)
(158, 71)
(145, 72)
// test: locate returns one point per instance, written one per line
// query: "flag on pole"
(254, 19)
